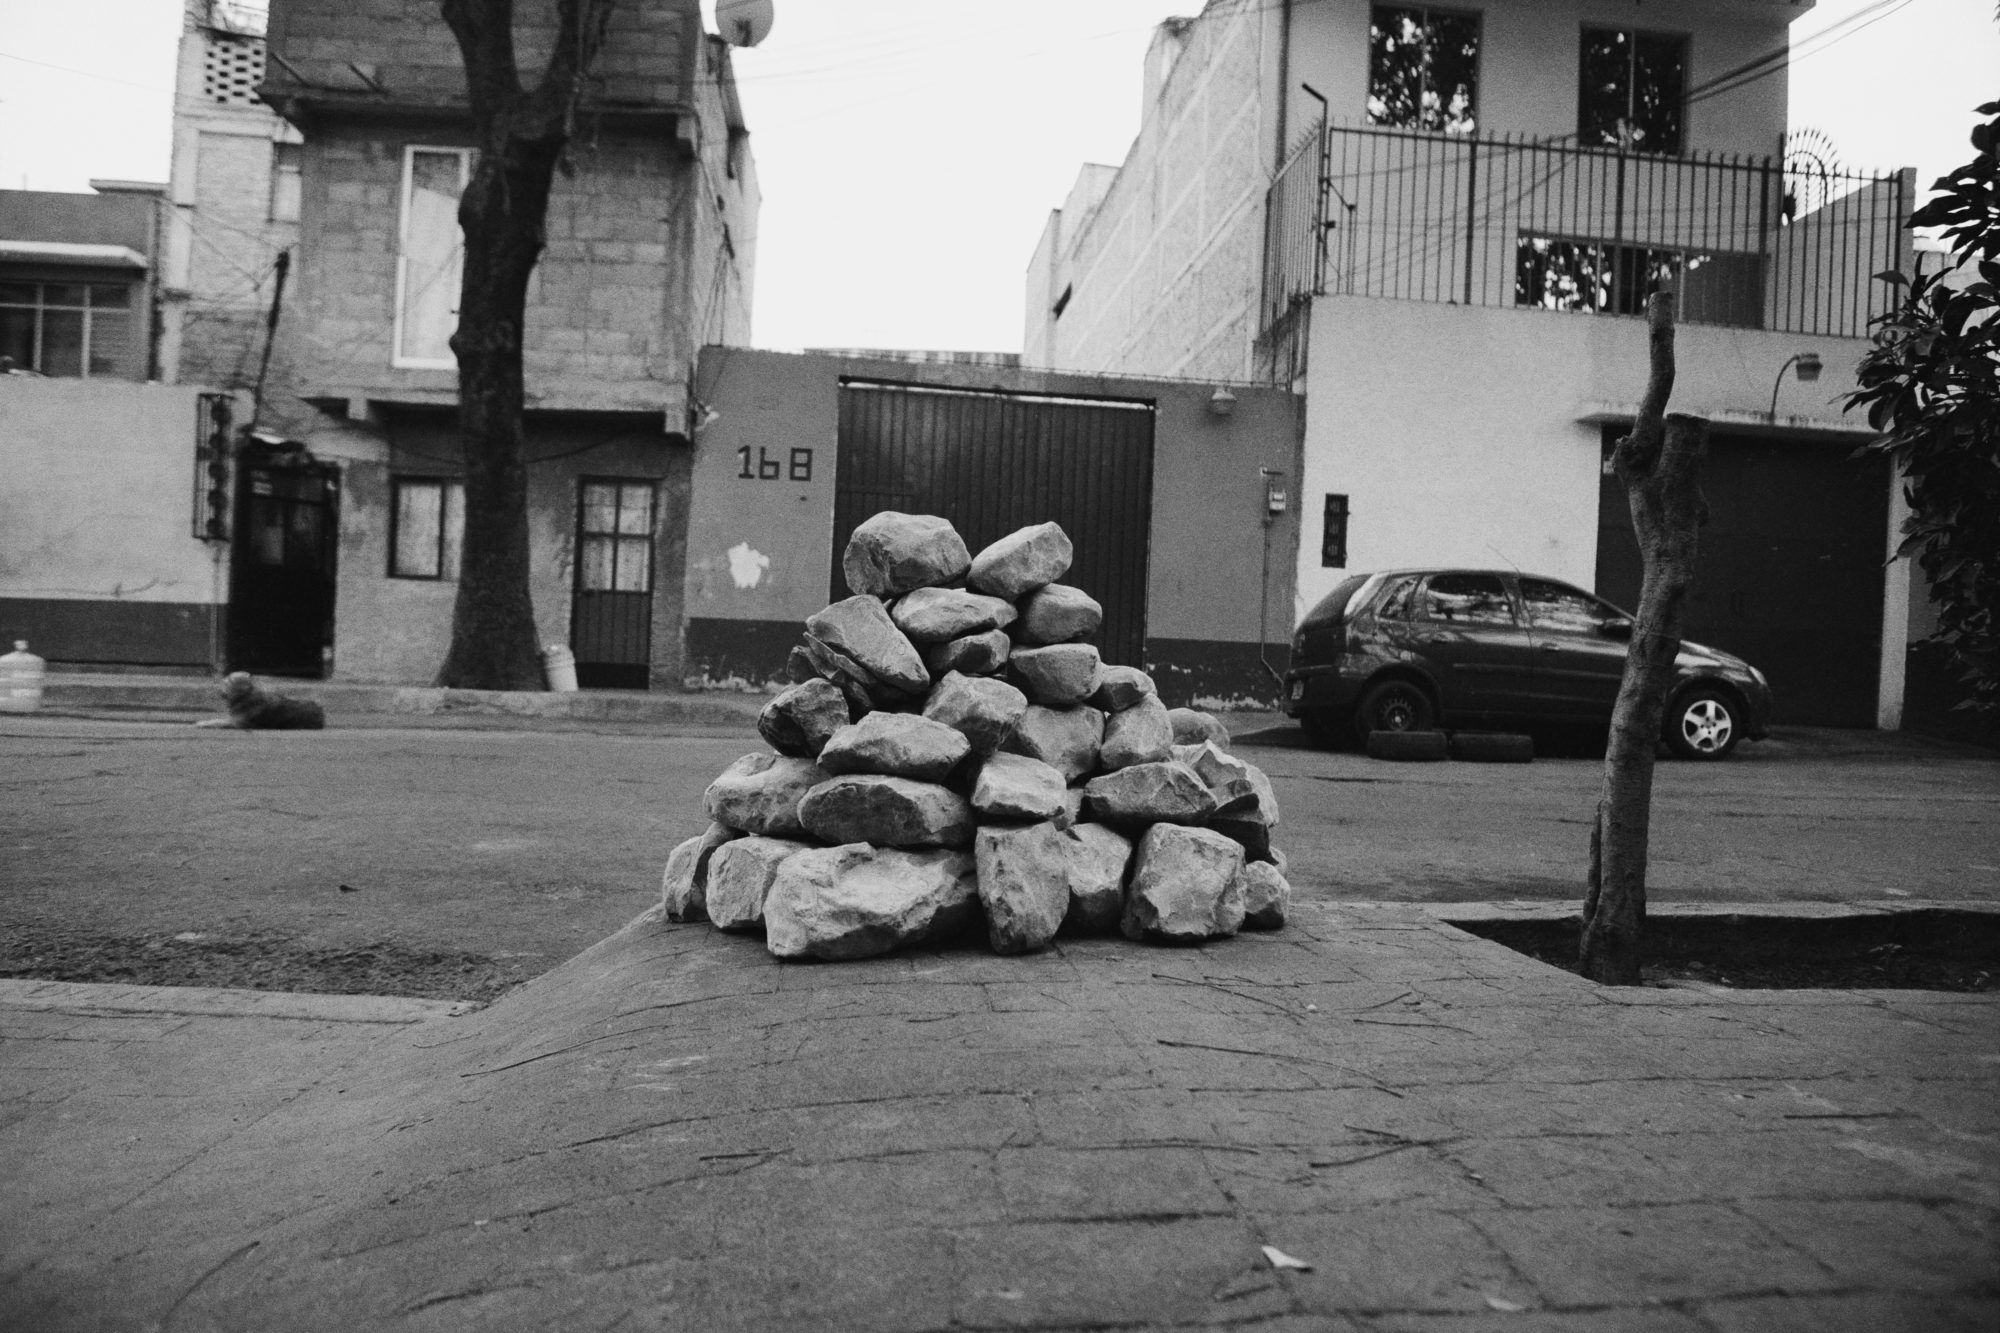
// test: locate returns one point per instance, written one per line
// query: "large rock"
(1120, 687)
(850, 677)
(740, 875)
(1023, 884)
(891, 554)
(1192, 727)
(799, 721)
(1058, 613)
(974, 655)
(856, 901)
(896, 744)
(985, 711)
(1218, 768)
(799, 666)
(1066, 739)
(760, 793)
(1250, 834)
(1021, 562)
(1062, 675)
(1158, 793)
(1099, 858)
(859, 628)
(1072, 811)
(1266, 896)
(1140, 734)
(1013, 786)
(935, 615)
(1187, 886)
(888, 812)
(684, 886)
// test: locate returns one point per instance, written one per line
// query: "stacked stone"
(954, 754)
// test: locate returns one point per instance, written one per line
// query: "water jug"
(21, 675)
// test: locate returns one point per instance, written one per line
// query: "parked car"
(1411, 649)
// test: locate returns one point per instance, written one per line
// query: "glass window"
(1398, 598)
(62, 342)
(615, 548)
(1467, 599)
(1564, 610)
(285, 178)
(1423, 68)
(1591, 277)
(1631, 90)
(428, 532)
(66, 328)
(432, 255)
(17, 339)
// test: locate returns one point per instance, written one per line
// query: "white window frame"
(410, 151)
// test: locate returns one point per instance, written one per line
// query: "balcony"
(1503, 221)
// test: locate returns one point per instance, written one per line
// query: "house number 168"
(767, 468)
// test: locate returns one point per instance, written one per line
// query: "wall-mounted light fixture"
(1221, 403)
(1808, 364)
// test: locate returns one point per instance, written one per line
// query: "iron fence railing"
(1494, 221)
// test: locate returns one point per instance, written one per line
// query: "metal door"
(992, 462)
(611, 623)
(281, 568)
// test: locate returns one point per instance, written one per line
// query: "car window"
(1466, 599)
(1396, 599)
(1551, 606)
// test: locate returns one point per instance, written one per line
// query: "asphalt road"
(518, 848)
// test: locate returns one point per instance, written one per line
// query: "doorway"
(282, 562)
(611, 621)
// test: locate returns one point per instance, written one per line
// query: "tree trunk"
(1660, 464)
(521, 135)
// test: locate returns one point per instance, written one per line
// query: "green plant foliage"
(1931, 384)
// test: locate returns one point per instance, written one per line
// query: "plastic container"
(558, 665)
(21, 676)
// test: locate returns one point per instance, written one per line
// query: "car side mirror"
(1616, 629)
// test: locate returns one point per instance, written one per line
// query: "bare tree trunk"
(521, 135)
(1660, 464)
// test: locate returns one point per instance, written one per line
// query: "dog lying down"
(254, 708)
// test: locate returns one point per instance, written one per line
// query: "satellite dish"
(741, 22)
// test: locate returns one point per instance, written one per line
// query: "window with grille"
(1423, 68)
(1631, 90)
(427, 528)
(71, 329)
(429, 266)
(231, 69)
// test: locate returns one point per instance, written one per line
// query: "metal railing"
(1496, 221)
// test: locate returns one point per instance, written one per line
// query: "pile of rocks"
(955, 754)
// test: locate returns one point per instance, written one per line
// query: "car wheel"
(1394, 705)
(1703, 724)
(1322, 728)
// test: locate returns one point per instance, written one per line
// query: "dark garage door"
(992, 462)
(1790, 569)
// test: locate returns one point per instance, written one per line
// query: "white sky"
(910, 150)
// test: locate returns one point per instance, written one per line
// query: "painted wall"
(97, 558)
(760, 552)
(396, 630)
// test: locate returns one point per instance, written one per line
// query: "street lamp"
(1808, 364)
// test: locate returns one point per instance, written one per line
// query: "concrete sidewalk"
(673, 1131)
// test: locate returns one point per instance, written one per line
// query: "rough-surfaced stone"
(1013, 786)
(860, 629)
(849, 676)
(1266, 896)
(1168, 792)
(1140, 734)
(1099, 857)
(1023, 884)
(799, 666)
(936, 615)
(1021, 562)
(891, 554)
(1192, 727)
(975, 654)
(901, 745)
(1066, 739)
(1061, 675)
(984, 710)
(740, 875)
(888, 812)
(760, 793)
(1120, 687)
(799, 721)
(1187, 886)
(1217, 768)
(1058, 613)
(1072, 812)
(1250, 834)
(856, 901)
(684, 886)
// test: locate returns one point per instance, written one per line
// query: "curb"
(78, 997)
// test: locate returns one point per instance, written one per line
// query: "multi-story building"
(1441, 224)
(650, 249)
